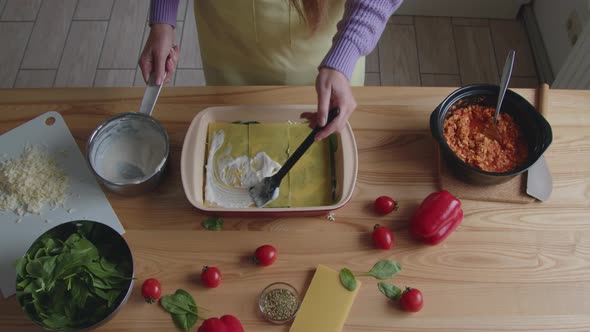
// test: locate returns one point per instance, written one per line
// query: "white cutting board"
(85, 199)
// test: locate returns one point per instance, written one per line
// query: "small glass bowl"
(270, 289)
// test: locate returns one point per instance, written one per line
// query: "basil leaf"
(213, 223)
(391, 291)
(348, 280)
(385, 269)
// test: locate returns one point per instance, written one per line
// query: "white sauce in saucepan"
(228, 179)
(130, 150)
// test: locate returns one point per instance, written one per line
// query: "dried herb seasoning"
(279, 304)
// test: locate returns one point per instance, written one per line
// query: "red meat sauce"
(464, 133)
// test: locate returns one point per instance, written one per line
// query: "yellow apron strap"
(264, 42)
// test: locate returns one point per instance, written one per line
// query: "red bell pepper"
(226, 323)
(436, 218)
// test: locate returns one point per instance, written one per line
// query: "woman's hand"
(160, 54)
(333, 90)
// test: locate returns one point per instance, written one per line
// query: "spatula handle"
(333, 113)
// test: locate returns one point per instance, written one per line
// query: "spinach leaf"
(178, 303)
(185, 322)
(347, 278)
(213, 223)
(35, 269)
(48, 265)
(182, 307)
(21, 264)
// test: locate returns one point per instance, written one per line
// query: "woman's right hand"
(160, 54)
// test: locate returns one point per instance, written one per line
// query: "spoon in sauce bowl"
(492, 131)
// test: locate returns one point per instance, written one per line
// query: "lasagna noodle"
(272, 138)
(310, 177)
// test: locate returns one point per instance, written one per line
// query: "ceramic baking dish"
(194, 151)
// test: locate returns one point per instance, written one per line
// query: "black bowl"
(535, 128)
(111, 245)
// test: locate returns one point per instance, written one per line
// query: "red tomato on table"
(211, 276)
(382, 237)
(385, 205)
(412, 300)
(151, 290)
(265, 255)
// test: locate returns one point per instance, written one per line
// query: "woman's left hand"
(333, 89)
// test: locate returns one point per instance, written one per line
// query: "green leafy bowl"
(76, 276)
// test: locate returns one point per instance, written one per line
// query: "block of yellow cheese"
(326, 303)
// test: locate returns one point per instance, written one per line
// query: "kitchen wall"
(552, 18)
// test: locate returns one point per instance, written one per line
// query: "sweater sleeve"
(358, 32)
(163, 11)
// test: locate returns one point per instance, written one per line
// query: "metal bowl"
(115, 244)
(128, 153)
(536, 130)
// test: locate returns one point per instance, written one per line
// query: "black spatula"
(267, 190)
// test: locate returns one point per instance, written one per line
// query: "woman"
(276, 42)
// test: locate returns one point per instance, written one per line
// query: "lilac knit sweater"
(358, 31)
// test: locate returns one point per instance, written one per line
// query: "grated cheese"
(30, 182)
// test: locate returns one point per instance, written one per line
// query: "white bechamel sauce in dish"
(228, 179)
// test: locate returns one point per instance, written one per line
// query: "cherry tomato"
(412, 300)
(265, 255)
(382, 237)
(213, 324)
(232, 323)
(211, 276)
(384, 205)
(151, 290)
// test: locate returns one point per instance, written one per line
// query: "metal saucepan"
(129, 152)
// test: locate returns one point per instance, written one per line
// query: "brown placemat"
(513, 191)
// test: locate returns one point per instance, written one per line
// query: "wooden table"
(508, 267)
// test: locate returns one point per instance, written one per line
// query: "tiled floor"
(85, 43)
